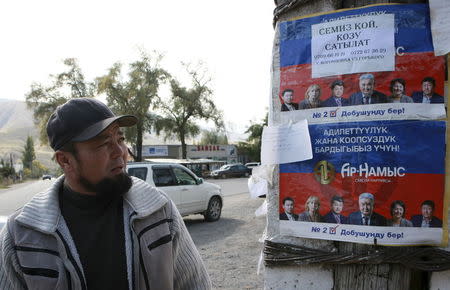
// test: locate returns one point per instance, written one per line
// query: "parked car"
(191, 194)
(251, 165)
(231, 170)
(46, 176)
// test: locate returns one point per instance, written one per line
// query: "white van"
(190, 193)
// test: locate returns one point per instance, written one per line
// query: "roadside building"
(226, 153)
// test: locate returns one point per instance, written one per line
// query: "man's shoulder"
(417, 94)
(435, 222)
(355, 98)
(378, 216)
(283, 216)
(417, 220)
(329, 217)
(416, 217)
(436, 98)
(379, 97)
(354, 214)
(355, 217)
(328, 214)
(328, 102)
(144, 198)
(417, 97)
(378, 93)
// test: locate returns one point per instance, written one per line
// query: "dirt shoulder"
(230, 246)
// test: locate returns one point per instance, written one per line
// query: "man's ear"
(65, 160)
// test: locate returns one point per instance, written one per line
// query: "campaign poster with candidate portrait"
(324, 56)
(371, 88)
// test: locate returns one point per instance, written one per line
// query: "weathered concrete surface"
(299, 277)
(340, 277)
(302, 277)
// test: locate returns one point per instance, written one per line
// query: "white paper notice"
(262, 210)
(440, 26)
(257, 186)
(286, 143)
(353, 45)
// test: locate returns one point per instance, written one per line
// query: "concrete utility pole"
(316, 276)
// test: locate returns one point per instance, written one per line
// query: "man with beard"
(97, 228)
(367, 94)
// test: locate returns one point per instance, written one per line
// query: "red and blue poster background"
(393, 159)
(412, 151)
(414, 59)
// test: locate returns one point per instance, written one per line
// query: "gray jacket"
(37, 251)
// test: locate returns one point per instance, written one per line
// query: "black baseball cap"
(82, 119)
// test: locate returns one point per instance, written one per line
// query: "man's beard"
(109, 187)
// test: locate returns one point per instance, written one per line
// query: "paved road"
(231, 186)
(17, 195)
(229, 247)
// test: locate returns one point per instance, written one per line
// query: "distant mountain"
(16, 124)
(14, 115)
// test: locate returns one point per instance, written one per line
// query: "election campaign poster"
(351, 64)
(371, 88)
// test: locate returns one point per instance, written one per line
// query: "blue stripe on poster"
(412, 24)
(415, 146)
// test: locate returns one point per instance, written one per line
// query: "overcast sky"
(233, 38)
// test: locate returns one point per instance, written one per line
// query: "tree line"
(135, 93)
(32, 168)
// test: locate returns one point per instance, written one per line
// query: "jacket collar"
(43, 213)
(145, 199)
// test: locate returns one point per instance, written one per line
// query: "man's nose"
(118, 150)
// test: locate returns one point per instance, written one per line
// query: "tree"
(134, 96)
(66, 85)
(28, 154)
(186, 106)
(6, 169)
(213, 137)
(38, 169)
(252, 148)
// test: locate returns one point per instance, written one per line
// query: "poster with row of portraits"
(372, 90)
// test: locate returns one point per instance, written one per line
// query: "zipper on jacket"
(69, 280)
(141, 259)
(132, 236)
(72, 260)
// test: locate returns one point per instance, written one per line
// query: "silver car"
(191, 194)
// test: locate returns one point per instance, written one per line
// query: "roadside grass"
(4, 185)
(8, 184)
